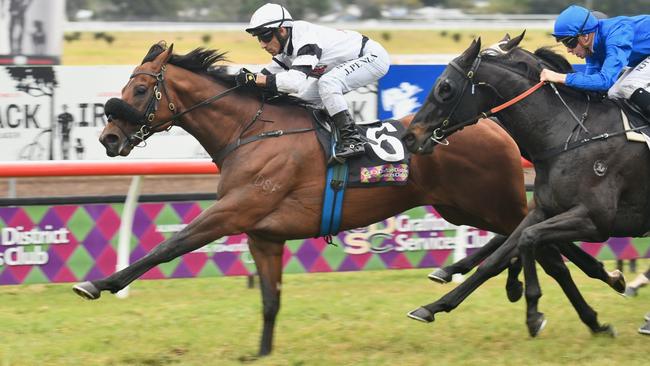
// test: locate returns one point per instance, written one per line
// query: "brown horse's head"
(145, 107)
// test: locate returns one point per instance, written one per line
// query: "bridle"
(149, 115)
(439, 134)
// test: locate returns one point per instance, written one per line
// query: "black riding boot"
(350, 143)
(641, 98)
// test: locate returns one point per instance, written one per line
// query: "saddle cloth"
(386, 161)
(632, 119)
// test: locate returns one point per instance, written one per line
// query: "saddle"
(632, 117)
(386, 161)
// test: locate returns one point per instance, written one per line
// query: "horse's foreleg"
(568, 226)
(549, 257)
(593, 267)
(268, 259)
(493, 265)
(215, 222)
(443, 275)
(514, 287)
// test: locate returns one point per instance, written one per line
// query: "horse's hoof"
(421, 314)
(514, 290)
(617, 281)
(536, 324)
(630, 291)
(87, 290)
(440, 276)
(605, 330)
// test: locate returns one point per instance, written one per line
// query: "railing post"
(11, 188)
(460, 250)
(124, 240)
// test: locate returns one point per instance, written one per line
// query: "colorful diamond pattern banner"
(69, 243)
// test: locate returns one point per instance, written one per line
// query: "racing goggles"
(568, 41)
(265, 36)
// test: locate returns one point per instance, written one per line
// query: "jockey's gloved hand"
(245, 78)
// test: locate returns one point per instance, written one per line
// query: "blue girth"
(337, 178)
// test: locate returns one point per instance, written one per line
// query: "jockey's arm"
(618, 47)
(290, 80)
(552, 76)
(285, 82)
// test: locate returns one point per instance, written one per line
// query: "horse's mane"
(206, 62)
(554, 60)
(544, 57)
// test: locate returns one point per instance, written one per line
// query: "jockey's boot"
(351, 143)
(641, 98)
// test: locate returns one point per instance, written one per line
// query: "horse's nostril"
(110, 139)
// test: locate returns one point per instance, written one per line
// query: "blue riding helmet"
(573, 21)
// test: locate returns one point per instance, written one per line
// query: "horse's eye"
(140, 90)
(445, 91)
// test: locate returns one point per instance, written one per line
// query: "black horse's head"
(457, 98)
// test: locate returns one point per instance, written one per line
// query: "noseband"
(119, 108)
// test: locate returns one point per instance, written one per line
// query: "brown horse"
(292, 167)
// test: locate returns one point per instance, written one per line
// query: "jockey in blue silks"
(617, 51)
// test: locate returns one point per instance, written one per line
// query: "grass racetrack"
(354, 318)
(130, 48)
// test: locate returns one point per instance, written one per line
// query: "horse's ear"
(165, 55)
(514, 42)
(505, 38)
(471, 52)
(170, 51)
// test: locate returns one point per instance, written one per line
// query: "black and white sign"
(57, 113)
(31, 31)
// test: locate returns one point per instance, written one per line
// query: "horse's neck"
(222, 124)
(541, 122)
(217, 124)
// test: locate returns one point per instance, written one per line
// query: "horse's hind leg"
(592, 267)
(549, 257)
(268, 259)
(537, 232)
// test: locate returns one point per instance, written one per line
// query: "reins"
(498, 108)
(152, 107)
(221, 155)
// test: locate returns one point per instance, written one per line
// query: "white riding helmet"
(269, 16)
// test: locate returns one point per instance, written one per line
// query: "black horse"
(587, 174)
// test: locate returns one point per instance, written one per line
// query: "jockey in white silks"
(317, 64)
